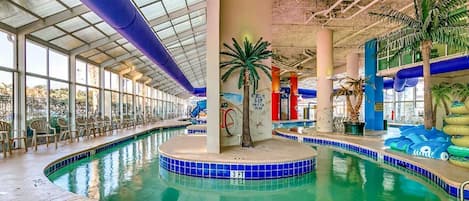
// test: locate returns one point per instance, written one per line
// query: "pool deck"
(22, 174)
(192, 148)
(375, 140)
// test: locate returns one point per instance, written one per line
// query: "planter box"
(354, 128)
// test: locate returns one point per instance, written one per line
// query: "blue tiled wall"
(412, 168)
(228, 171)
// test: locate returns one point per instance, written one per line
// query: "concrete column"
(352, 65)
(213, 76)
(72, 91)
(373, 94)
(251, 20)
(20, 83)
(351, 68)
(102, 103)
(325, 69)
(293, 96)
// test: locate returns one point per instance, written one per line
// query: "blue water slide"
(201, 105)
(125, 19)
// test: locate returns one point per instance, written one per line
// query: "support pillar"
(325, 69)
(352, 70)
(251, 20)
(213, 76)
(275, 93)
(373, 94)
(20, 83)
(293, 96)
(72, 92)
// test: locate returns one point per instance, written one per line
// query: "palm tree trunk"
(246, 136)
(434, 114)
(428, 114)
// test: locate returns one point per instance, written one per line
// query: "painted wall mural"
(231, 107)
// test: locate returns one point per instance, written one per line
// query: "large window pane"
(107, 79)
(36, 98)
(419, 91)
(80, 101)
(139, 105)
(58, 65)
(93, 75)
(115, 106)
(114, 81)
(6, 96)
(93, 102)
(80, 72)
(36, 59)
(59, 106)
(107, 103)
(7, 49)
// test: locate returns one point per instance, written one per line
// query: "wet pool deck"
(450, 173)
(22, 174)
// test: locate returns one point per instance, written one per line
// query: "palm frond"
(396, 16)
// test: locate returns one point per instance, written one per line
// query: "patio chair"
(81, 127)
(64, 131)
(7, 137)
(42, 128)
(107, 124)
(91, 126)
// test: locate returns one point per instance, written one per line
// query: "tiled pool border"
(379, 157)
(247, 171)
(62, 162)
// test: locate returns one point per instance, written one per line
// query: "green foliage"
(246, 58)
(460, 91)
(440, 21)
(441, 93)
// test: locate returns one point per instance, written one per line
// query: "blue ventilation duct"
(409, 76)
(125, 19)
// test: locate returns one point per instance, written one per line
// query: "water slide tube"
(201, 105)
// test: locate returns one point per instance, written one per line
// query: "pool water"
(131, 172)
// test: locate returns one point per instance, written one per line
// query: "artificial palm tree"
(440, 21)
(352, 87)
(246, 60)
(441, 94)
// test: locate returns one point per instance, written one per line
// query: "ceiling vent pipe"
(127, 20)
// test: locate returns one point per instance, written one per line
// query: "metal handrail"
(461, 190)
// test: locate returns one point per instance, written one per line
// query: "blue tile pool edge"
(246, 171)
(74, 157)
(378, 157)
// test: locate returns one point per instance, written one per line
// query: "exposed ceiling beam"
(8, 28)
(119, 58)
(95, 44)
(196, 31)
(53, 19)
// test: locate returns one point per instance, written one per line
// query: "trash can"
(385, 124)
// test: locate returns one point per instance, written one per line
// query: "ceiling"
(69, 26)
(296, 22)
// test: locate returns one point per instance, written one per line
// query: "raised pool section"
(270, 159)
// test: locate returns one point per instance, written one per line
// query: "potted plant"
(352, 89)
(246, 61)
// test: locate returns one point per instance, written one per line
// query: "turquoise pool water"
(131, 172)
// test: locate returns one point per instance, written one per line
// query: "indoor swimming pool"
(130, 171)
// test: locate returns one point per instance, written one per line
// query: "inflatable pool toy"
(459, 108)
(462, 141)
(456, 129)
(459, 151)
(459, 161)
(457, 119)
(430, 149)
(419, 141)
